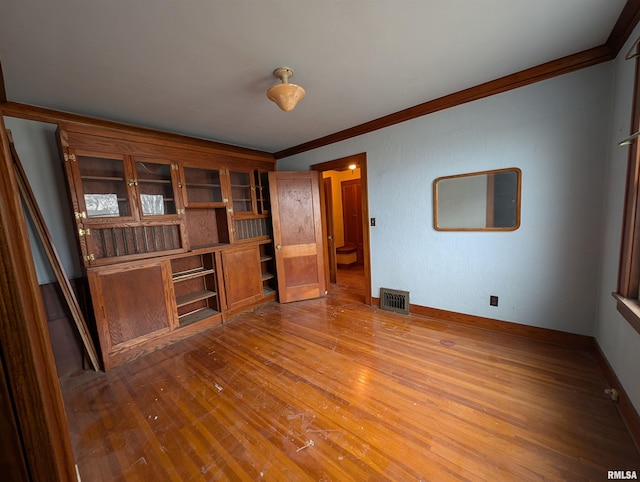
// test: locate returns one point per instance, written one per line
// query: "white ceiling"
(201, 67)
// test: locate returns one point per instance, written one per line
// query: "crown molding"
(544, 71)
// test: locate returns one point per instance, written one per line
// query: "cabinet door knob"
(279, 247)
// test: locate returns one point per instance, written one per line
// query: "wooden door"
(297, 234)
(352, 214)
(242, 277)
(331, 235)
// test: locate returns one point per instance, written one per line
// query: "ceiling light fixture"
(285, 95)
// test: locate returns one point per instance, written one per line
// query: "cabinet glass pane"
(262, 191)
(241, 191)
(203, 185)
(156, 188)
(104, 187)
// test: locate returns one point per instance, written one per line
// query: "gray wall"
(36, 146)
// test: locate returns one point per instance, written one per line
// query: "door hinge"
(90, 257)
(69, 157)
(82, 215)
(174, 167)
(225, 200)
(84, 232)
(230, 210)
(181, 211)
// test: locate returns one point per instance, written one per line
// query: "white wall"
(546, 273)
(618, 340)
(37, 148)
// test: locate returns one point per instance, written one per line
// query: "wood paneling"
(381, 396)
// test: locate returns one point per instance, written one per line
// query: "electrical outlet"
(373, 221)
(493, 300)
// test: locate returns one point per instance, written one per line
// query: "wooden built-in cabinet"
(175, 237)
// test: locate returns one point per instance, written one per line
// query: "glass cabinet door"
(202, 186)
(155, 188)
(262, 191)
(106, 187)
(241, 190)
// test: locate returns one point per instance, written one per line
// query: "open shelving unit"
(195, 287)
(268, 268)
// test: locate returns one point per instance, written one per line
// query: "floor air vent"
(394, 300)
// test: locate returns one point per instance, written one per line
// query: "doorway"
(346, 223)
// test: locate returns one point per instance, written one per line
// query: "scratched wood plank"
(332, 389)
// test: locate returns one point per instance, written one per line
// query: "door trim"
(327, 205)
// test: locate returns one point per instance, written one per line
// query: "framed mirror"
(478, 201)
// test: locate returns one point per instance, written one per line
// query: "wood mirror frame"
(478, 201)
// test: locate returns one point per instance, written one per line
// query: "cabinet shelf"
(264, 258)
(102, 178)
(193, 297)
(267, 290)
(196, 315)
(199, 185)
(266, 276)
(192, 273)
(154, 181)
(166, 200)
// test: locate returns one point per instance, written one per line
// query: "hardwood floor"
(331, 389)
